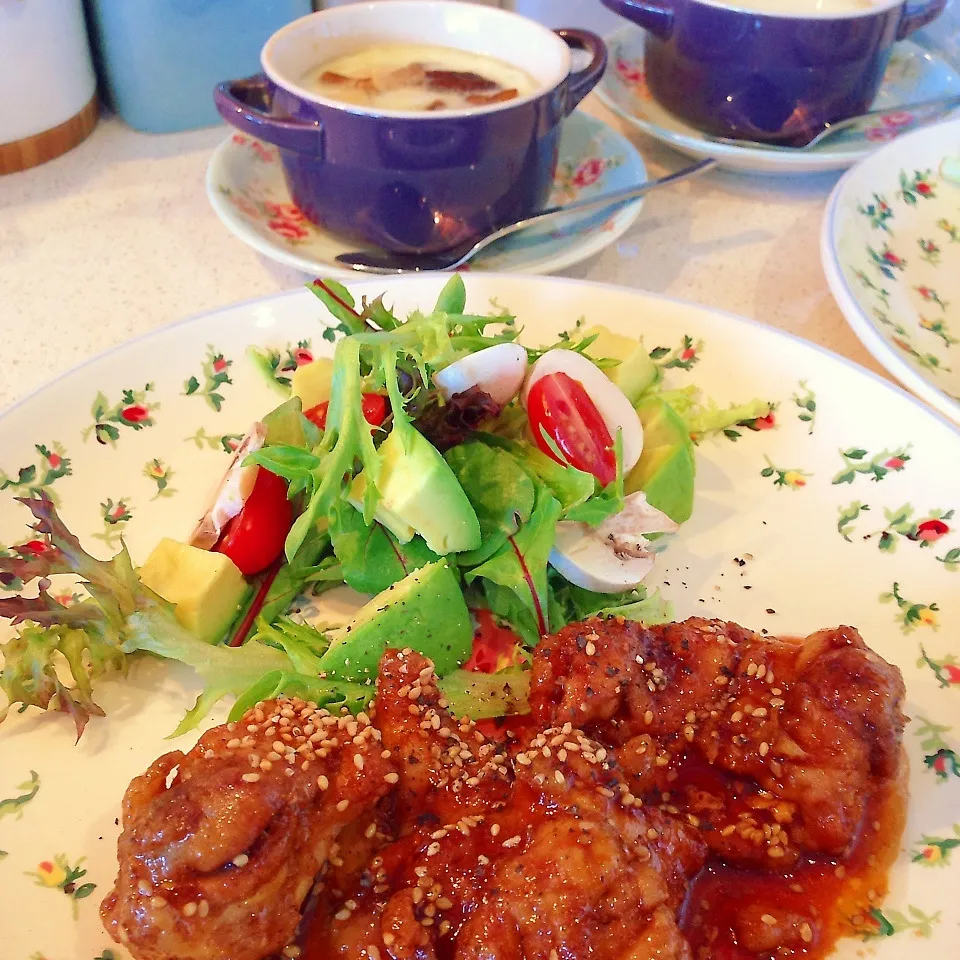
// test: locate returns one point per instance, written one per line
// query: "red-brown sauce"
(838, 895)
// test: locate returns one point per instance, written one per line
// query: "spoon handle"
(594, 203)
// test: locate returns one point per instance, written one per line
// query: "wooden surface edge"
(41, 147)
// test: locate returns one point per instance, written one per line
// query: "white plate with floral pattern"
(890, 247)
(913, 75)
(248, 192)
(839, 508)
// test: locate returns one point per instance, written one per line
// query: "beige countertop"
(116, 238)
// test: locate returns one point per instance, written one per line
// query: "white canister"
(45, 67)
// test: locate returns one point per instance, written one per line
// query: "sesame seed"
(370, 831)
(373, 953)
(433, 849)
(511, 842)
(189, 909)
(768, 919)
(342, 805)
(342, 915)
(764, 749)
(358, 761)
(494, 829)
(240, 860)
(727, 830)
(590, 649)
(761, 671)
(250, 777)
(559, 777)
(751, 669)
(392, 777)
(292, 951)
(760, 712)
(158, 902)
(203, 908)
(322, 782)
(806, 932)
(648, 717)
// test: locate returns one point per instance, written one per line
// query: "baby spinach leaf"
(371, 558)
(499, 490)
(521, 563)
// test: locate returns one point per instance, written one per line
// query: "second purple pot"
(762, 71)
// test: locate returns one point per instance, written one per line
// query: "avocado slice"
(667, 466)
(206, 588)
(312, 382)
(418, 490)
(636, 372)
(480, 696)
(425, 610)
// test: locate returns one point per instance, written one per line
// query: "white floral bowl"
(890, 248)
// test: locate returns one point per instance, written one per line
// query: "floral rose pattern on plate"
(936, 851)
(58, 874)
(216, 376)
(938, 754)
(53, 464)
(134, 410)
(115, 516)
(903, 263)
(161, 474)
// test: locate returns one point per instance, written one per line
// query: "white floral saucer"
(247, 190)
(890, 248)
(913, 75)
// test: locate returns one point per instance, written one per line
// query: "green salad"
(459, 478)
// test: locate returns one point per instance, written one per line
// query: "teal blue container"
(159, 60)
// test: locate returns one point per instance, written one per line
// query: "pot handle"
(581, 82)
(245, 104)
(652, 16)
(914, 17)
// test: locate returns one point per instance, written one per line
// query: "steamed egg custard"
(418, 77)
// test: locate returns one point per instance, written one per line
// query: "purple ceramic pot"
(414, 182)
(769, 70)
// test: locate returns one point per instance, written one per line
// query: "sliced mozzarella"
(610, 401)
(231, 492)
(613, 556)
(498, 371)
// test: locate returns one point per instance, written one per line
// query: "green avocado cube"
(667, 466)
(206, 589)
(425, 610)
(635, 373)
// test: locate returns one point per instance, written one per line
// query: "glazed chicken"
(220, 846)
(691, 791)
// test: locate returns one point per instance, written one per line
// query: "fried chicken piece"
(220, 846)
(533, 850)
(776, 746)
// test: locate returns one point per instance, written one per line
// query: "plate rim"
(572, 254)
(856, 318)
(493, 276)
(746, 159)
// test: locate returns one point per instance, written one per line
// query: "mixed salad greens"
(435, 463)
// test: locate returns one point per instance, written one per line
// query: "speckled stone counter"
(116, 238)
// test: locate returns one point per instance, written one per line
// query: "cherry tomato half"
(374, 406)
(559, 406)
(254, 538)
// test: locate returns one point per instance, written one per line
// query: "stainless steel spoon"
(383, 262)
(923, 112)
